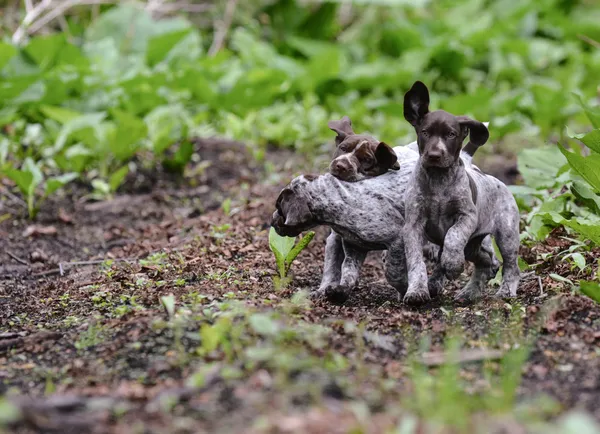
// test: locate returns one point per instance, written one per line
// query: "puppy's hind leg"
(507, 238)
(486, 267)
(435, 283)
(395, 268)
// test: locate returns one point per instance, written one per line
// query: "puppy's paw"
(337, 294)
(317, 294)
(435, 285)
(504, 293)
(467, 295)
(453, 264)
(417, 295)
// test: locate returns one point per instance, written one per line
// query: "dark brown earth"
(88, 347)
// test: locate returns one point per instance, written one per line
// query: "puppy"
(455, 205)
(359, 156)
(365, 215)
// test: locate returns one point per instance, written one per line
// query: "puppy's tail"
(471, 148)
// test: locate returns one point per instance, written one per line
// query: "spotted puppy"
(365, 215)
(454, 205)
(359, 156)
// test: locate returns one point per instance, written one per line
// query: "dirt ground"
(87, 346)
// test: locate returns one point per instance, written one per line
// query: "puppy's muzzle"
(342, 168)
(278, 223)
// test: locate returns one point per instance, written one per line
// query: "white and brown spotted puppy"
(454, 205)
(359, 156)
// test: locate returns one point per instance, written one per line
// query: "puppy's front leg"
(332, 268)
(457, 237)
(353, 260)
(414, 237)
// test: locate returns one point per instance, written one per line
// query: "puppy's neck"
(436, 176)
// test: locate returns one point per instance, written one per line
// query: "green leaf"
(9, 412)
(168, 302)
(129, 132)
(578, 260)
(181, 158)
(263, 324)
(116, 179)
(591, 289)
(160, 46)
(302, 244)
(7, 52)
(44, 50)
(587, 167)
(592, 140)
(59, 114)
(593, 114)
(539, 166)
(22, 179)
(280, 246)
(54, 183)
(559, 278)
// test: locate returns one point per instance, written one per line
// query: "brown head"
(359, 156)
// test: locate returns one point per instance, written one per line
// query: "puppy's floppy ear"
(416, 103)
(343, 128)
(386, 157)
(293, 208)
(478, 132)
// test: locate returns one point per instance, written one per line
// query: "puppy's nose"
(434, 155)
(339, 166)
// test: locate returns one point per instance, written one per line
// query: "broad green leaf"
(131, 28)
(59, 114)
(7, 52)
(559, 278)
(583, 192)
(281, 247)
(167, 125)
(263, 324)
(160, 46)
(21, 178)
(117, 177)
(44, 50)
(587, 167)
(589, 230)
(53, 184)
(593, 114)
(539, 166)
(302, 244)
(591, 289)
(129, 132)
(592, 140)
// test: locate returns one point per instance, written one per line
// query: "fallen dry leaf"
(35, 230)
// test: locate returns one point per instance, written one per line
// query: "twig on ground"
(221, 28)
(61, 266)
(474, 355)
(16, 258)
(539, 279)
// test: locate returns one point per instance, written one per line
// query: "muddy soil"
(84, 346)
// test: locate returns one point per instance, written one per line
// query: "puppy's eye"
(344, 148)
(451, 135)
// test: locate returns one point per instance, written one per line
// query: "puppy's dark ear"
(478, 133)
(386, 157)
(416, 103)
(293, 208)
(343, 128)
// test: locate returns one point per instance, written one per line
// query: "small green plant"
(29, 178)
(591, 289)
(91, 337)
(286, 250)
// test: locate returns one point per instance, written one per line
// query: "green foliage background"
(86, 102)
